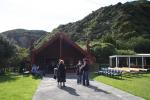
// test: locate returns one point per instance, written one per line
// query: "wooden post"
(127, 61)
(136, 62)
(145, 61)
(60, 50)
(118, 62)
(32, 58)
(87, 46)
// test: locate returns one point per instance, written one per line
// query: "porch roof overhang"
(127, 56)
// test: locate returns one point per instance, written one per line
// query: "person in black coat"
(61, 73)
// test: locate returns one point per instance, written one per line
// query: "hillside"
(22, 37)
(126, 26)
(120, 20)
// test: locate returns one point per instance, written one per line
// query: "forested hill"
(120, 21)
(22, 37)
(126, 26)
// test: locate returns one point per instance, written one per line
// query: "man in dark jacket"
(85, 69)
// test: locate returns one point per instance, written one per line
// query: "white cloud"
(45, 14)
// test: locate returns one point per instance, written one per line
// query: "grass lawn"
(136, 84)
(17, 87)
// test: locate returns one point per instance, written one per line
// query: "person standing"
(61, 73)
(85, 69)
(55, 73)
(34, 69)
(79, 72)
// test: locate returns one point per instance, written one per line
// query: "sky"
(46, 14)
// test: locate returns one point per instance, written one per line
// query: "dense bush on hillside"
(11, 56)
(22, 37)
(7, 50)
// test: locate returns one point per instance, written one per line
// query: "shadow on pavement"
(68, 76)
(96, 89)
(70, 90)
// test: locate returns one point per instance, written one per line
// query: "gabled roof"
(54, 38)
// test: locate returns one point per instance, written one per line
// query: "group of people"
(82, 71)
(36, 70)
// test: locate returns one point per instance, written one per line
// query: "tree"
(7, 50)
(102, 52)
(18, 60)
(108, 39)
(139, 44)
(142, 46)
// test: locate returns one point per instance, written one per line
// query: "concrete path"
(48, 90)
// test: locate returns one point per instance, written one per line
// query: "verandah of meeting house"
(138, 61)
(58, 47)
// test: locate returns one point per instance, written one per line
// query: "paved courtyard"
(48, 90)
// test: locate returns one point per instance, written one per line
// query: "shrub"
(7, 50)
(125, 52)
(102, 52)
(140, 44)
(18, 61)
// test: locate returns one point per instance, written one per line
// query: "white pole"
(110, 61)
(142, 62)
